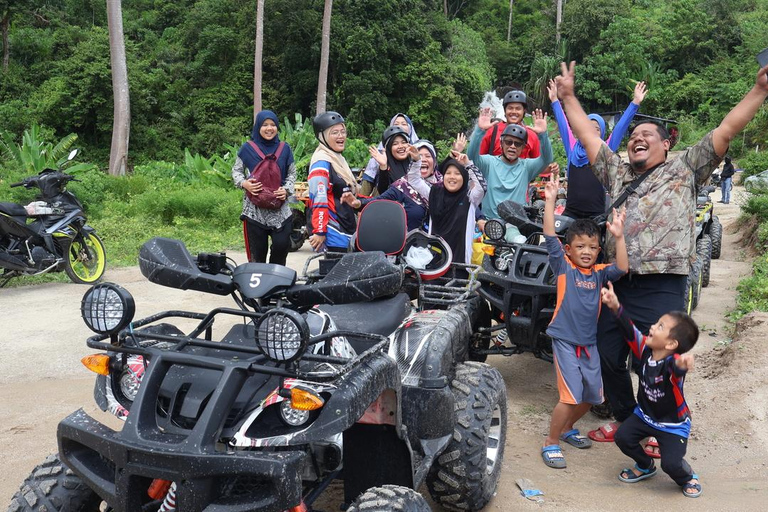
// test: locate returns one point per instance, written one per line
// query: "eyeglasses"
(338, 133)
(512, 142)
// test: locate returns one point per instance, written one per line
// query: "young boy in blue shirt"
(573, 328)
(661, 409)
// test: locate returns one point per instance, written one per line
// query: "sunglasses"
(512, 142)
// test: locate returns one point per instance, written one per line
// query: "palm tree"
(258, 57)
(322, 81)
(121, 124)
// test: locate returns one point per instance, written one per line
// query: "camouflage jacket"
(660, 225)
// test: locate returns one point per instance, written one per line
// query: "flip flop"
(608, 431)
(574, 438)
(652, 443)
(696, 487)
(553, 456)
(631, 477)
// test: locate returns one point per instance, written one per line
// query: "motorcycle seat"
(381, 316)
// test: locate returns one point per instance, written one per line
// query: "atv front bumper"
(121, 472)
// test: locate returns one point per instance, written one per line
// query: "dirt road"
(42, 340)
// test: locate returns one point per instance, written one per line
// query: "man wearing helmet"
(508, 175)
(515, 104)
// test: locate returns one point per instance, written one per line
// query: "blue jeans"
(725, 187)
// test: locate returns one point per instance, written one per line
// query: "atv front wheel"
(85, 263)
(704, 252)
(53, 487)
(465, 475)
(298, 230)
(716, 233)
(388, 498)
(693, 286)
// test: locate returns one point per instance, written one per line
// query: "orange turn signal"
(97, 363)
(303, 400)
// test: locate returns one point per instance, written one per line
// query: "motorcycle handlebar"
(12, 185)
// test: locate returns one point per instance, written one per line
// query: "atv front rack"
(450, 289)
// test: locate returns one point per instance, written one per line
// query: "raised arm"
(741, 114)
(620, 130)
(533, 166)
(550, 197)
(562, 122)
(414, 173)
(477, 185)
(577, 118)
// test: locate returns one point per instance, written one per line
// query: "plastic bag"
(418, 257)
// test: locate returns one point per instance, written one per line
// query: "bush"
(757, 206)
(753, 290)
(752, 163)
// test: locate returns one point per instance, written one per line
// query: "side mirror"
(72, 155)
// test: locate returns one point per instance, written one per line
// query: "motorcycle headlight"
(495, 230)
(293, 417)
(107, 308)
(282, 334)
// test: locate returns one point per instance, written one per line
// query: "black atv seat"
(381, 316)
(357, 277)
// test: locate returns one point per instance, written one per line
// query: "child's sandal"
(632, 477)
(695, 487)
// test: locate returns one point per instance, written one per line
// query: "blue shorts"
(578, 373)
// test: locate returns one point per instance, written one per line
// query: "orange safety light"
(97, 363)
(304, 400)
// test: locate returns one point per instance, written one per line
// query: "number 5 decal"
(255, 280)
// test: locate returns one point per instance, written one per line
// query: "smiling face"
(427, 163)
(511, 148)
(583, 250)
(646, 148)
(336, 137)
(268, 130)
(402, 123)
(452, 179)
(399, 147)
(514, 112)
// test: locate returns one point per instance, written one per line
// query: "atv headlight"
(107, 308)
(503, 259)
(495, 230)
(130, 382)
(293, 417)
(282, 334)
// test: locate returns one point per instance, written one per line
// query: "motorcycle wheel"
(79, 267)
(53, 487)
(466, 474)
(390, 497)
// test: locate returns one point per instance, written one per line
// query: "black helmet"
(515, 130)
(515, 97)
(392, 131)
(323, 121)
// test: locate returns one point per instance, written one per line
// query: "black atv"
(518, 285)
(709, 236)
(342, 379)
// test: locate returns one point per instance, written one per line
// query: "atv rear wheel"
(388, 498)
(298, 230)
(53, 487)
(693, 286)
(704, 252)
(465, 475)
(85, 263)
(716, 234)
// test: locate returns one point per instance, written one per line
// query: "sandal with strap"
(650, 444)
(631, 477)
(574, 438)
(696, 487)
(553, 456)
(607, 432)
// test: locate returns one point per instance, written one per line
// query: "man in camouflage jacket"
(659, 228)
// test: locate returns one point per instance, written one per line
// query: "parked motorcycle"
(518, 285)
(49, 234)
(341, 378)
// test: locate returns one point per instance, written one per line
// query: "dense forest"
(191, 64)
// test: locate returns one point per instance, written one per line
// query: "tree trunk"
(445, 8)
(4, 23)
(559, 20)
(258, 57)
(322, 81)
(121, 126)
(509, 25)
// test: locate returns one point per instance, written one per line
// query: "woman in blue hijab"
(259, 224)
(586, 195)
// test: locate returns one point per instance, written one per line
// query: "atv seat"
(381, 316)
(357, 277)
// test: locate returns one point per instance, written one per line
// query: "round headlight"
(282, 334)
(130, 377)
(495, 230)
(107, 308)
(291, 416)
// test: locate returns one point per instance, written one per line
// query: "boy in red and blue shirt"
(573, 328)
(661, 410)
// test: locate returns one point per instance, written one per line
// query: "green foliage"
(753, 163)
(757, 207)
(34, 154)
(753, 290)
